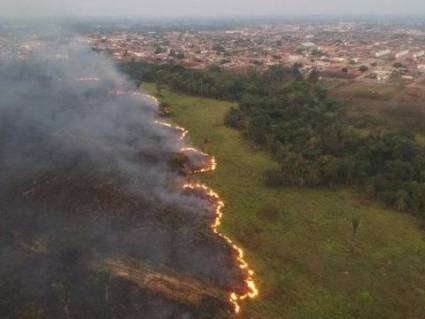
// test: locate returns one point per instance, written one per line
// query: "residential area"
(346, 50)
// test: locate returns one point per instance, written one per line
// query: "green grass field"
(308, 263)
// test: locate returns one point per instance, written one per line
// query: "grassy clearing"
(365, 90)
(381, 105)
(308, 262)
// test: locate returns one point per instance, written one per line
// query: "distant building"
(418, 54)
(407, 77)
(401, 54)
(308, 45)
(339, 60)
(295, 58)
(380, 75)
(382, 53)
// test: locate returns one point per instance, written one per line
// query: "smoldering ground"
(85, 178)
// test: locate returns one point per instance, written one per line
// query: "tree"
(402, 200)
(363, 68)
(158, 87)
(355, 224)
(314, 76)
(158, 50)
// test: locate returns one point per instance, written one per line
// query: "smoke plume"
(85, 178)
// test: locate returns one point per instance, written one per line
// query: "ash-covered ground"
(85, 178)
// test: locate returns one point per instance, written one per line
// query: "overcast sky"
(170, 8)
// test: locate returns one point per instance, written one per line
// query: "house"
(382, 53)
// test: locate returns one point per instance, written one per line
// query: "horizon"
(177, 18)
(187, 9)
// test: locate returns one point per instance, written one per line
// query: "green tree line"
(293, 118)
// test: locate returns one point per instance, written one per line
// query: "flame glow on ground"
(212, 163)
(252, 290)
(121, 92)
(183, 132)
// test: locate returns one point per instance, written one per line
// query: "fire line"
(234, 297)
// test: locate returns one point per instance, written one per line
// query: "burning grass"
(200, 162)
(85, 178)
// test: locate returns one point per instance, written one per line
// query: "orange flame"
(240, 256)
(153, 98)
(212, 164)
(182, 130)
(121, 92)
(234, 297)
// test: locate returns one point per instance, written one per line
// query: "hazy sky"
(169, 8)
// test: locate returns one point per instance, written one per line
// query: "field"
(309, 262)
(376, 105)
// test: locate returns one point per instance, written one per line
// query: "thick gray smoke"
(85, 176)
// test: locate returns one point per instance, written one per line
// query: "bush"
(233, 118)
(273, 178)
(363, 68)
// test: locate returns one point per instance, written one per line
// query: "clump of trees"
(315, 146)
(292, 117)
(212, 82)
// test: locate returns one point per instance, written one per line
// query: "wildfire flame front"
(252, 290)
